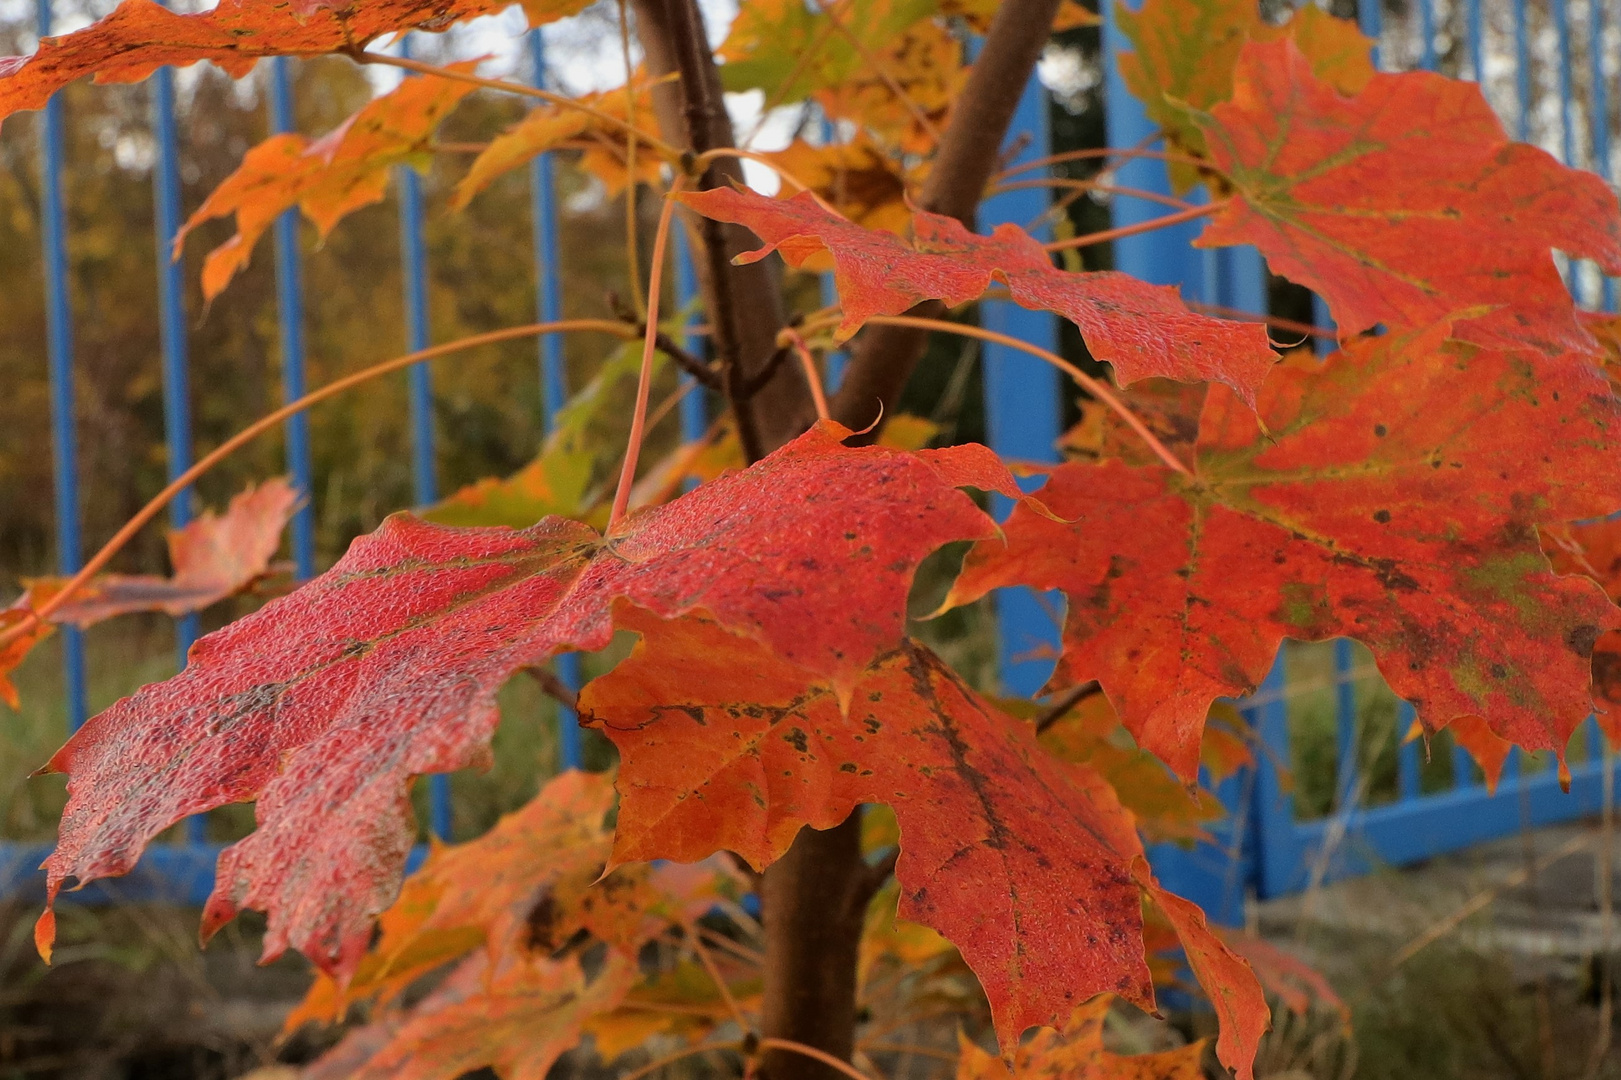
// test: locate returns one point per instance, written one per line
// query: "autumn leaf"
(549, 126)
(1593, 548)
(1297, 985)
(324, 703)
(1395, 501)
(213, 557)
(1143, 330)
(517, 1021)
(1186, 54)
(529, 884)
(1406, 204)
(141, 36)
(1018, 860)
(1165, 808)
(1077, 1053)
(857, 179)
(1224, 975)
(328, 178)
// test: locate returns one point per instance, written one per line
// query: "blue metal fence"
(1262, 847)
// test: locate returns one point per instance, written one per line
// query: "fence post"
(290, 318)
(1022, 403)
(59, 351)
(553, 376)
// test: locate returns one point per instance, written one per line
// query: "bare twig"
(1064, 702)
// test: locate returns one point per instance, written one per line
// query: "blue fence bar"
(1022, 402)
(59, 338)
(694, 406)
(1599, 115)
(553, 376)
(290, 318)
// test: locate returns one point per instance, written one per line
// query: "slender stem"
(1101, 152)
(670, 153)
(1093, 185)
(720, 982)
(644, 384)
(633, 269)
(1277, 322)
(812, 376)
(274, 419)
(770, 1043)
(1141, 227)
(876, 64)
(669, 1059)
(907, 1048)
(1092, 386)
(702, 161)
(739, 950)
(1064, 702)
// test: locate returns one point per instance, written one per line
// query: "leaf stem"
(1277, 322)
(644, 384)
(669, 1059)
(1189, 214)
(670, 153)
(812, 376)
(1092, 386)
(270, 420)
(710, 966)
(1093, 185)
(771, 1043)
(1102, 152)
(700, 162)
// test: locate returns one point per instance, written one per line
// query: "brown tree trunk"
(814, 899)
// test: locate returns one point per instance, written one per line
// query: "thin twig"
(1064, 702)
(1277, 322)
(1094, 185)
(701, 162)
(269, 421)
(1135, 230)
(772, 1043)
(720, 982)
(907, 1048)
(644, 383)
(747, 388)
(1092, 386)
(670, 153)
(555, 688)
(812, 377)
(669, 1059)
(1482, 899)
(1101, 152)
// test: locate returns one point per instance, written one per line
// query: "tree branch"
(883, 356)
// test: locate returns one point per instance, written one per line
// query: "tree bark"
(744, 302)
(814, 898)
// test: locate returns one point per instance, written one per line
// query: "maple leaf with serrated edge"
(528, 885)
(1405, 204)
(1186, 52)
(1296, 984)
(1395, 501)
(1143, 330)
(213, 557)
(328, 178)
(551, 125)
(141, 36)
(517, 1021)
(325, 703)
(1077, 1053)
(1024, 863)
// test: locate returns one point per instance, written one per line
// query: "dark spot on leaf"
(1581, 639)
(1381, 516)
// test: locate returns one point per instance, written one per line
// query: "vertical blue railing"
(290, 320)
(59, 345)
(553, 377)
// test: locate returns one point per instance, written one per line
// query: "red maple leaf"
(1405, 204)
(1025, 863)
(1142, 329)
(324, 704)
(141, 36)
(1394, 501)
